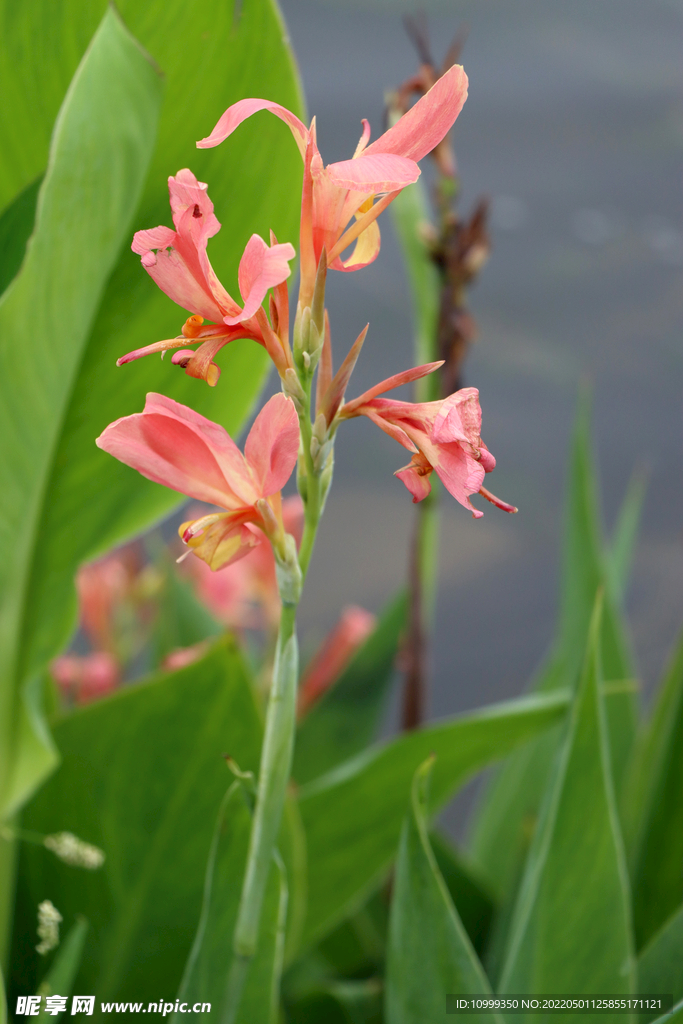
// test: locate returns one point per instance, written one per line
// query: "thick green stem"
(276, 760)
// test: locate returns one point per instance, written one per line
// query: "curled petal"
(496, 501)
(416, 476)
(272, 446)
(261, 267)
(219, 539)
(425, 124)
(243, 109)
(459, 418)
(365, 251)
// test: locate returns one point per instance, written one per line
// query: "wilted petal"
(459, 418)
(416, 477)
(272, 447)
(243, 109)
(427, 123)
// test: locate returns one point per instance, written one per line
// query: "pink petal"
(417, 482)
(370, 174)
(261, 267)
(459, 418)
(171, 272)
(426, 124)
(243, 109)
(186, 193)
(272, 447)
(220, 540)
(460, 474)
(406, 377)
(176, 447)
(152, 238)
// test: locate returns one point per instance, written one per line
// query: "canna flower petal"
(333, 195)
(221, 539)
(176, 447)
(177, 260)
(421, 128)
(373, 173)
(240, 111)
(272, 446)
(262, 267)
(416, 476)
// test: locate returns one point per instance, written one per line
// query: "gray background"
(574, 126)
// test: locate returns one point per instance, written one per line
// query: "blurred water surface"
(574, 127)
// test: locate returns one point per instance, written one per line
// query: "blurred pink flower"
(84, 678)
(443, 436)
(327, 664)
(183, 656)
(101, 587)
(175, 446)
(335, 194)
(244, 594)
(178, 263)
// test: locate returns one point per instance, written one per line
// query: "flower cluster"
(340, 204)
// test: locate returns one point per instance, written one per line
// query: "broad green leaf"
(339, 1002)
(98, 161)
(346, 718)
(654, 807)
(59, 980)
(429, 953)
(353, 815)
(142, 777)
(660, 964)
(469, 893)
(411, 214)
(89, 501)
(505, 820)
(211, 964)
(572, 930)
(16, 225)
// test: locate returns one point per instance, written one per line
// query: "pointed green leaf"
(211, 960)
(142, 776)
(572, 925)
(16, 225)
(346, 718)
(660, 965)
(657, 828)
(99, 157)
(622, 546)
(507, 813)
(429, 954)
(353, 815)
(59, 980)
(469, 893)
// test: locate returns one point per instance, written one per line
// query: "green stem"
(276, 761)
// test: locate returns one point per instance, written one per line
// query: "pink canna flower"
(335, 194)
(177, 261)
(244, 595)
(176, 447)
(354, 627)
(444, 436)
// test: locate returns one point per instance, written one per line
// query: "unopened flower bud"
(302, 326)
(287, 572)
(74, 851)
(320, 427)
(49, 919)
(292, 388)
